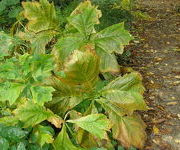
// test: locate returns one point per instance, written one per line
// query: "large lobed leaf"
(82, 68)
(124, 93)
(129, 130)
(97, 124)
(41, 15)
(19, 76)
(113, 38)
(42, 25)
(122, 97)
(84, 17)
(32, 114)
(109, 40)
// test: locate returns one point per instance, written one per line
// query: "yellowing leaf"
(87, 140)
(56, 121)
(129, 130)
(32, 114)
(82, 68)
(128, 101)
(124, 95)
(97, 124)
(63, 142)
(84, 17)
(108, 62)
(42, 24)
(131, 82)
(41, 15)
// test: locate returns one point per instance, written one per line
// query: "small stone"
(173, 98)
(178, 77)
(171, 103)
(178, 116)
(177, 140)
(152, 82)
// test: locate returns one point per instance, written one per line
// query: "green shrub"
(53, 88)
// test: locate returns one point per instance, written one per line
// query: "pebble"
(171, 103)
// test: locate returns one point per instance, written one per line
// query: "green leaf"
(63, 141)
(42, 134)
(129, 130)
(21, 68)
(113, 38)
(9, 120)
(7, 44)
(12, 133)
(9, 70)
(12, 2)
(39, 65)
(82, 68)
(14, 12)
(66, 45)
(84, 17)
(10, 91)
(97, 124)
(41, 15)
(32, 114)
(4, 144)
(41, 94)
(21, 146)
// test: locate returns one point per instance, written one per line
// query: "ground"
(157, 57)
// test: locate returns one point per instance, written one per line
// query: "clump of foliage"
(53, 92)
(9, 11)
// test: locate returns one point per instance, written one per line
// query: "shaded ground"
(157, 57)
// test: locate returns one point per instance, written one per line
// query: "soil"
(156, 54)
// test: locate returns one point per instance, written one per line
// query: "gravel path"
(157, 57)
